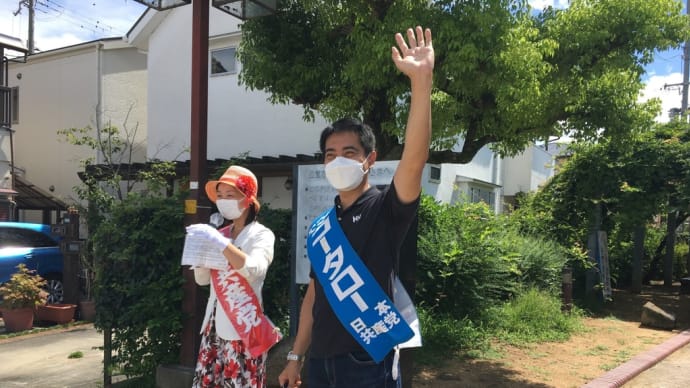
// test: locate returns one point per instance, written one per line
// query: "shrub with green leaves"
(470, 259)
(276, 288)
(534, 316)
(23, 290)
(462, 269)
(139, 284)
(538, 262)
(444, 335)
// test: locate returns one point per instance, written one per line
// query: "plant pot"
(18, 319)
(87, 310)
(59, 313)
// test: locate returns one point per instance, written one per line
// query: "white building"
(93, 84)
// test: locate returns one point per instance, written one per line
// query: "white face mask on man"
(345, 174)
(229, 208)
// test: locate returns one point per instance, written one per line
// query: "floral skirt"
(227, 364)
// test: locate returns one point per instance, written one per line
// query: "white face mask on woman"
(345, 174)
(229, 208)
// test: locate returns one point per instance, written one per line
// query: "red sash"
(242, 307)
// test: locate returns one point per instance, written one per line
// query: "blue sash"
(355, 296)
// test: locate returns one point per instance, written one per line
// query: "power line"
(75, 18)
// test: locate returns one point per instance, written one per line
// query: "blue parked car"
(35, 246)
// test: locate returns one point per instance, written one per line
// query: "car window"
(16, 237)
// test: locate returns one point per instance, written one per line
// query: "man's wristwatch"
(294, 357)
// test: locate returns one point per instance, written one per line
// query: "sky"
(60, 23)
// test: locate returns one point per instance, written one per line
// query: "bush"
(470, 259)
(462, 270)
(138, 282)
(444, 336)
(535, 316)
(539, 263)
(276, 295)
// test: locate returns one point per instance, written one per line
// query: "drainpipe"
(4, 81)
(99, 97)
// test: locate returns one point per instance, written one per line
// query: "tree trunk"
(670, 247)
(638, 253)
(591, 278)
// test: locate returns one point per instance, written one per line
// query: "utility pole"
(686, 72)
(31, 6)
(671, 217)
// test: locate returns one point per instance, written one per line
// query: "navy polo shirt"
(375, 225)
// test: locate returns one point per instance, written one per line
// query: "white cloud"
(668, 89)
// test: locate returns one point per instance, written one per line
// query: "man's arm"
(416, 60)
(290, 376)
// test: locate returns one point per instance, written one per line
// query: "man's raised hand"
(416, 56)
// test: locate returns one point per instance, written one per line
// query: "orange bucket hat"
(240, 178)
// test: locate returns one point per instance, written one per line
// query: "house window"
(15, 105)
(435, 174)
(478, 194)
(223, 61)
(5, 106)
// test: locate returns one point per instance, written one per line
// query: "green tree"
(505, 76)
(629, 181)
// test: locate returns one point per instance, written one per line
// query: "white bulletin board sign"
(314, 195)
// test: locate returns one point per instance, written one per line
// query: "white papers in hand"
(198, 252)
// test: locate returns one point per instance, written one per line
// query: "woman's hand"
(210, 234)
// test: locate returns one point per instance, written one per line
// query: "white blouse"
(256, 241)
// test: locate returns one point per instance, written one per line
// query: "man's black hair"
(363, 131)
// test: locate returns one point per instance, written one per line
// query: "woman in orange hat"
(236, 335)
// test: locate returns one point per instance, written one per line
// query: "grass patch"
(445, 337)
(77, 354)
(608, 367)
(623, 356)
(597, 350)
(532, 317)
(535, 316)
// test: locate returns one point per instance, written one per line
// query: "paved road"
(671, 372)
(42, 361)
(666, 365)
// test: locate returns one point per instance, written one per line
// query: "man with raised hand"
(347, 318)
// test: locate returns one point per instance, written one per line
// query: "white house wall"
(483, 168)
(527, 171)
(239, 121)
(516, 173)
(542, 167)
(124, 96)
(60, 89)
